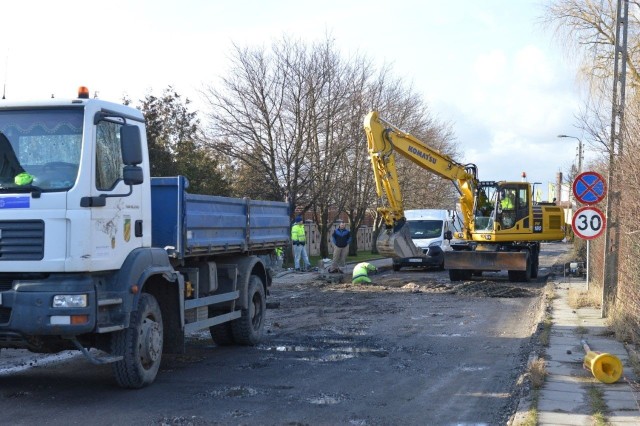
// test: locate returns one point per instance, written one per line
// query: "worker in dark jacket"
(341, 238)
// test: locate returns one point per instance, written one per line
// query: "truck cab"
(431, 231)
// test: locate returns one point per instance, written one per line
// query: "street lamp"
(579, 150)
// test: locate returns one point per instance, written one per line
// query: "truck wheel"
(247, 330)
(396, 267)
(140, 345)
(222, 334)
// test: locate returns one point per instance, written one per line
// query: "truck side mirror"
(131, 145)
(132, 175)
(448, 235)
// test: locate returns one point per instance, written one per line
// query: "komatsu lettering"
(424, 155)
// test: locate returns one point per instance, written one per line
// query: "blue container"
(196, 225)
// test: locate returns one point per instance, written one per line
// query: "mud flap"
(398, 243)
(486, 260)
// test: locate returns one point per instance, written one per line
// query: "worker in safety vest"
(299, 240)
(361, 272)
(507, 206)
(507, 202)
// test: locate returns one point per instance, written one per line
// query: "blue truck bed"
(197, 225)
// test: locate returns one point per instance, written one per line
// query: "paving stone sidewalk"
(564, 398)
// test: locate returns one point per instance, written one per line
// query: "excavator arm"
(384, 140)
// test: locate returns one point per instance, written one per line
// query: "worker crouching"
(361, 273)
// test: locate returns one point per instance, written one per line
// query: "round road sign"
(589, 188)
(588, 222)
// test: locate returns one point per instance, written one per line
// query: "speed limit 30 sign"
(588, 222)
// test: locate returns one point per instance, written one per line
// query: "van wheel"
(140, 345)
(247, 330)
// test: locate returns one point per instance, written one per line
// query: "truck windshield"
(40, 148)
(421, 229)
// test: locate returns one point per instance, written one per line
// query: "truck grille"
(21, 240)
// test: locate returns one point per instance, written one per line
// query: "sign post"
(589, 222)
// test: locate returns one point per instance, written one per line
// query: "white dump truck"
(96, 254)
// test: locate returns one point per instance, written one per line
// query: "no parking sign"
(589, 188)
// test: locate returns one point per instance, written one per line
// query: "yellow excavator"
(503, 227)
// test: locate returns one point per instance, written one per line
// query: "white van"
(428, 229)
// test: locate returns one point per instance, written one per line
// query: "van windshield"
(421, 229)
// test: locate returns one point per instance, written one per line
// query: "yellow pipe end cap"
(605, 367)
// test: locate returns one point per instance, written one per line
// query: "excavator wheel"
(459, 274)
(523, 276)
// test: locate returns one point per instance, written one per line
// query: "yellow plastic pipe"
(605, 367)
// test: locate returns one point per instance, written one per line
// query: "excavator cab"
(501, 206)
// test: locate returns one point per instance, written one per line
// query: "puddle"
(232, 392)
(328, 358)
(288, 348)
(468, 369)
(325, 400)
(336, 350)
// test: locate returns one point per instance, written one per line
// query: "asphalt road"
(410, 349)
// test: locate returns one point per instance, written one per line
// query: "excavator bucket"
(398, 243)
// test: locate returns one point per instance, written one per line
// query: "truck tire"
(222, 334)
(396, 267)
(247, 330)
(140, 345)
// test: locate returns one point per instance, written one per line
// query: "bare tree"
(258, 116)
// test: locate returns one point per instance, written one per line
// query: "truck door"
(114, 224)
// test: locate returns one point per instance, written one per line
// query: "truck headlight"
(70, 301)
(436, 244)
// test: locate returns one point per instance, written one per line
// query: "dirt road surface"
(410, 349)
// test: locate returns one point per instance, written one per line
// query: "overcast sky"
(485, 66)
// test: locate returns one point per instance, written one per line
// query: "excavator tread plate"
(486, 260)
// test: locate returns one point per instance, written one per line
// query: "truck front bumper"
(27, 309)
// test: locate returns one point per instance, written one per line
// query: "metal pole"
(612, 232)
(587, 265)
(580, 150)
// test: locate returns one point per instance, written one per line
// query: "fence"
(365, 237)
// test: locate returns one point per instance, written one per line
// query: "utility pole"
(612, 232)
